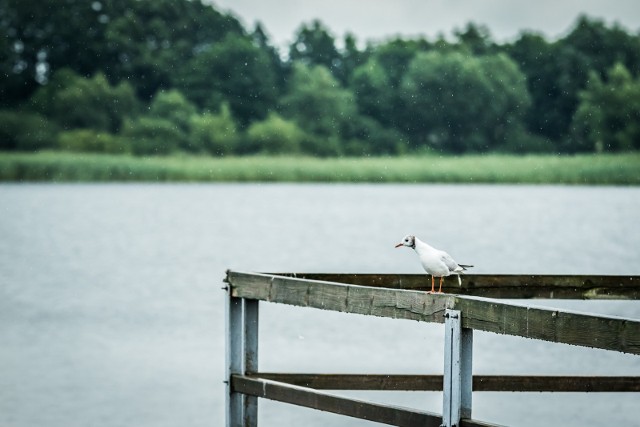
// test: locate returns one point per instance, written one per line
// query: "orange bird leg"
(441, 280)
(433, 284)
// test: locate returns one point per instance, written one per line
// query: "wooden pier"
(474, 306)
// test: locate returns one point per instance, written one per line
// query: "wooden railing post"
(250, 328)
(458, 376)
(241, 358)
(234, 338)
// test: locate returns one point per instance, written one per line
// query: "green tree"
(375, 96)
(365, 136)
(376, 84)
(476, 38)
(315, 45)
(280, 69)
(460, 103)
(234, 71)
(37, 38)
(274, 135)
(143, 41)
(152, 39)
(352, 58)
(173, 107)
(537, 58)
(77, 102)
(89, 140)
(608, 116)
(603, 46)
(26, 131)
(395, 55)
(320, 106)
(216, 134)
(151, 136)
(556, 72)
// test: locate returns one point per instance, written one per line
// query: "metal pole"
(466, 372)
(458, 376)
(234, 407)
(250, 357)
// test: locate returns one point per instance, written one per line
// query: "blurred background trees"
(153, 77)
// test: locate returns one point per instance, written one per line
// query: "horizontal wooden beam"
(510, 383)
(314, 399)
(556, 383)
(560, 326)
(523, 286)
(491, 315)
(382, 302)
(357, 382)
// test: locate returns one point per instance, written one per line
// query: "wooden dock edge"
(511, 286)
(484, 314)
(461, 315)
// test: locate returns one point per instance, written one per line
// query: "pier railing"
(404, 297)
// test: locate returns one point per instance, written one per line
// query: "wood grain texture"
(490, 315)
(499, 286)
(310, 398)
(382, 302)
(581, 329)
(481, 383)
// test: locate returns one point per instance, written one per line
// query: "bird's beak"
(398, 245)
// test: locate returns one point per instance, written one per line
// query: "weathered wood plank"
(499, 286)
(481, 383)
(380, 302)
(606, 384)
(357, 382)
(310, 398)
(586, 330)
(314, 399)
(605, 332)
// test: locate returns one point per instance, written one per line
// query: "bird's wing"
(449, 262)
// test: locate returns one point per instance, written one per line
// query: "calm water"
(111, 312)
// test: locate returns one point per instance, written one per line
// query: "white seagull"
(437, 263)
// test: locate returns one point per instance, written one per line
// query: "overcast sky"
(380, 19)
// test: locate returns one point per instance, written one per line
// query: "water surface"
(111, 312)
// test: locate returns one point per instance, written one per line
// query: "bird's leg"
(433, 285)
(441, 280)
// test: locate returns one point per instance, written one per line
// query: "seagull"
(437, 263)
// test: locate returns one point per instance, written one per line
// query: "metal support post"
(234, 407)
(458, 376)
(250, 357)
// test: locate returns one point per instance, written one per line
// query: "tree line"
(163, 76)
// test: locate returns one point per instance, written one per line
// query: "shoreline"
(584, 169)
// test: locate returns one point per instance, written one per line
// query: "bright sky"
(380, 19)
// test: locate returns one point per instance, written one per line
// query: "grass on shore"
(619, 169)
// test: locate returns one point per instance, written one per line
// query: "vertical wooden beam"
(233, 356)
(250, 332)
(457, 380)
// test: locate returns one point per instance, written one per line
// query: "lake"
(112, 313)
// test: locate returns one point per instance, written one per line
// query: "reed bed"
(601, 169)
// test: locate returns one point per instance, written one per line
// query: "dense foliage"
(161, 76)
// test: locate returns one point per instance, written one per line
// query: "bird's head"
(408, 241)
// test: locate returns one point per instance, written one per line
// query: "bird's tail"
(463, 268)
